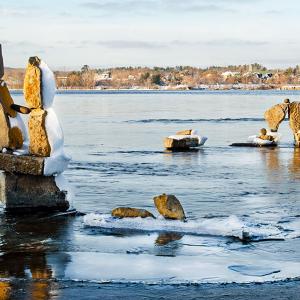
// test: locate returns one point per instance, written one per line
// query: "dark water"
(115, 140)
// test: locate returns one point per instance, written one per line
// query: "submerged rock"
(169, 207)
(128, 212)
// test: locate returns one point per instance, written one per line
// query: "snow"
(63, 185)
(58, 160)
(48, 85)
(202, 139)
(256, 140)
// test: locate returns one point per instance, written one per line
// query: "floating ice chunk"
(251, 270)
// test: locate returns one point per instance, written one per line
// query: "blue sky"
(102, 33)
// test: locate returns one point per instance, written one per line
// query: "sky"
(108, 33)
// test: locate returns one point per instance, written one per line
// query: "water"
(115, 140)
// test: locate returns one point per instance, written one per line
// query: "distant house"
(228, 74)
(102, 79)
(103, 76)
(131, 77)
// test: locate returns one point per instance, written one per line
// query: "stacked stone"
(23, 184)
(39, 144)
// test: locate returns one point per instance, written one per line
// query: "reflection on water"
(25, 245)
(294, 164)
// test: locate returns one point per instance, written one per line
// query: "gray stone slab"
(22, 164)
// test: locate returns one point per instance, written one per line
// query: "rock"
(33, 84)
(275, 115)
(180, 143)
(1, 63)
(28, 192)
(23, 164)
(6, 100)
(165, 238)
(15, 138)
(39, 144)
(294, 115)
(4, 129)
(185, 132)
(128, 212)
(169, 207)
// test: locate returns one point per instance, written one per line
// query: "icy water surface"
(115, 140)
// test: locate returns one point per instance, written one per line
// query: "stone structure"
(169, 207)
(31, 176)
(276, 114)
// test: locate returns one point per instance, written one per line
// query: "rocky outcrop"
(39, 144)
(169, 207)
(275, 115)
(128, 212)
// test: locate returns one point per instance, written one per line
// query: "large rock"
(39, 144)
(23, 164)
(28, 192)
(33, 84)
(180, 143)
(275, 115)
(128, 212)
(4, 129)
(169, 207)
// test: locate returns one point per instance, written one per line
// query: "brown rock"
(6, 100)
(39, 144)
(33, 85)
(1, 63)
(128, 212)
(275, 115)
(4, 129)
(169, 207)
(19, 192)
(15, 138)
(181, 144)
(23, 164)
(184, 132)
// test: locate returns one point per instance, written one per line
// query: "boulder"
(33, 84)
(275, 115)
(39, 144)
(178, 143)
(169, 207)
(185, 132)
(128, 212)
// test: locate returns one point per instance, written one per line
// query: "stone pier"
(23, 186)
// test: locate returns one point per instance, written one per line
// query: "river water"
(116, 143)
